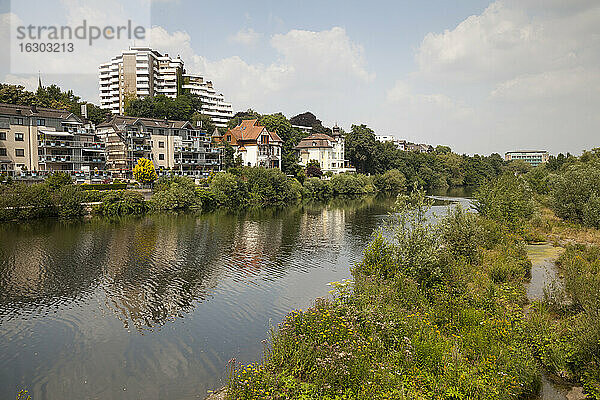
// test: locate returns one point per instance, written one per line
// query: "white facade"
(328, 151)
(399, 143)
(213, 103)
(141, 72)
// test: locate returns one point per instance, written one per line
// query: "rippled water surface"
(154, 308)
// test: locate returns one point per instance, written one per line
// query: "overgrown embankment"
(440, 311)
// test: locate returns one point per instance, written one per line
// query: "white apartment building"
(142, 71)
(213, 103)
(533, 157)
(328, 150)
(400, 144)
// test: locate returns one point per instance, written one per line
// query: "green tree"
(203, 122)
(391, 182)
(361, 148)
(144, 171)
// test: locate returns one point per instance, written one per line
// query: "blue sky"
(479, 76)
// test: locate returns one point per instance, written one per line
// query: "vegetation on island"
(440, 310)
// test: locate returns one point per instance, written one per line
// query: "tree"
(242, 115)
(228, 156)
(204, 122)
(144, 171)
(181, 108)
(313, 169)
(361, 147)
(309, 119)
(57, 180)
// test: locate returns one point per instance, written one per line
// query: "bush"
(230, 191)
(461, 234)
(176, 194)
(118, 203)
(347, 185)
(67, 201)
(268, 187)
(507, 199)
(574, 189)
(56, 180)
(392, 182)
(317, 189)
(19, 201)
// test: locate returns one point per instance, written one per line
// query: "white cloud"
(309, 63)
(30, 82)
(527, 69)
(247, 37)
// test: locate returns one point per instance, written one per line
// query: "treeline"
(52, 97)
(238, 189)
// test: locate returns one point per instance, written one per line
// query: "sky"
(478, 76)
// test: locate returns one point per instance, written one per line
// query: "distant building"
(141, 71)
(404, 145)
(303, 129)
(329, 151)
(37, 140)
(533, 157)
(254, 144)
(175, 147)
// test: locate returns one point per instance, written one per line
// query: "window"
(20, 152)
(161, 131)
(2, 135)
(229, 138)
(18, 137)
(161, 145)
(2, 151)
(18, 121)
(161, 156)
(41, 122)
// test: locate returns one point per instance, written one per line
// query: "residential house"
(328, 151)
(254, 144)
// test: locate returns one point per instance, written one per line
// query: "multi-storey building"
(174, 146)
(254, 144)
(36, 140)
(405, 145)
(328, 150)
(213, 103)
(533, 157)
(142, 71)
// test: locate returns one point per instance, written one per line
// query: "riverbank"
(442, 311)
(238, 189)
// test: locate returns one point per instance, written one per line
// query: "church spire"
(39, 81)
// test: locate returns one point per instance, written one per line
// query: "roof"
(250, 130)
(33, 111)
(119, 120)
(316, 140)
(526, 151)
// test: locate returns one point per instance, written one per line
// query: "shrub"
(507, 199)
(20, 201)
(461, 234)
(574, 189)
(230, 191)
(67, 201)
(347, 185)
(392, 182)
(56, 180)
(268, 187)
(176, 194)
(118, 203)
(104, 186)
(591, 211)
(317, 189)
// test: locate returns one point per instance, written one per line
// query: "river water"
(154, 307)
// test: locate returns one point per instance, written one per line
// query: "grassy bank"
(440, 311)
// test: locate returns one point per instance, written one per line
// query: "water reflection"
(154, 307)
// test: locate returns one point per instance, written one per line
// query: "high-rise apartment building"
(142, 71)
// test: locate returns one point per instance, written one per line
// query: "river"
(155, 307)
